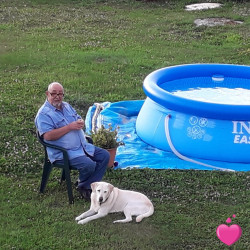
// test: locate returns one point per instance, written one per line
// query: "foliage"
(106, 137)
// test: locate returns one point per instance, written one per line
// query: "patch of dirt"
(202, 6)
(210, 22)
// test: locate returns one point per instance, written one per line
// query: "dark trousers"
(91, 168)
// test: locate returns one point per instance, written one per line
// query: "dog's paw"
(77, 218)
(117, 221)
(123, 221)
(80, 222)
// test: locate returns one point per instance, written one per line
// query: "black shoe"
(77, 182)
(85, 193)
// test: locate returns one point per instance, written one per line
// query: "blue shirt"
(49, 118)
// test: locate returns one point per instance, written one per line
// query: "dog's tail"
(147, 214)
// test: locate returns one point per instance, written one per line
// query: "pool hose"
(182, 156)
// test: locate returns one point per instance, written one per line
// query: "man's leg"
(91, 169)
(85, 166)
(101, 159)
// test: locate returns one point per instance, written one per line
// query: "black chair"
(66, 168)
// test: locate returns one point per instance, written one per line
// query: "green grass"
(102, 51)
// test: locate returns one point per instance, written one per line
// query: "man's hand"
(77, 125)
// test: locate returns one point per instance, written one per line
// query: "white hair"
(54, 83)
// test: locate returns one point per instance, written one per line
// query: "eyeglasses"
(57, 94)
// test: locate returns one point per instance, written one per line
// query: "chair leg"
(69, 185)
(62, 176)
(45, 176)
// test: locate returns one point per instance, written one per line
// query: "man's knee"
(89, 169)
(106, 156)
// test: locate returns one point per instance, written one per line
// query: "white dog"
(105, 198)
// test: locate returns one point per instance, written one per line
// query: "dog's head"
(101, 191)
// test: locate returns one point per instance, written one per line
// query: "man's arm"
(55, 134)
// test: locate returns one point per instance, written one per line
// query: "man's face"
(55, 95)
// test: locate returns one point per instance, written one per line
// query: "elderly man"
(60, 125)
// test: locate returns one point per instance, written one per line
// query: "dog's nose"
(100, 199)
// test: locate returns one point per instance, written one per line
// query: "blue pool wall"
(197, 129)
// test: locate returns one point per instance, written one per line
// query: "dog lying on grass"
(105, 199)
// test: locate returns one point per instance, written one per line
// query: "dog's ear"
(110, 187)
(93, 186)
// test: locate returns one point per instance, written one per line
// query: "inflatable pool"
(198, 110)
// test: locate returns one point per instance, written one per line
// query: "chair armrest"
(45, 144)
(89, 139)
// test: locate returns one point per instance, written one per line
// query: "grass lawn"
(102, 51)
